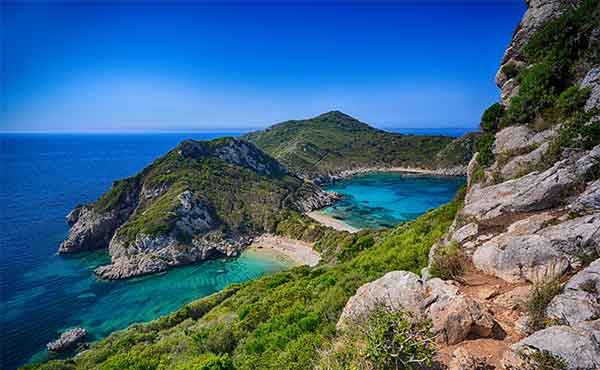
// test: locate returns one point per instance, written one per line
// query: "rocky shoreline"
(344, 174)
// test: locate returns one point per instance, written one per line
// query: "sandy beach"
(298, 251)
(326, 220)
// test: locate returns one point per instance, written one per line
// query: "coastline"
(297, 251)
(326, 220)
(451, 171)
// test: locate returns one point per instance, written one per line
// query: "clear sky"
(111, 66)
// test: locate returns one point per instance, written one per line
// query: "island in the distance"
(205, 199)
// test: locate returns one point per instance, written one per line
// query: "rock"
(577, 346)
(455, 317)
(128, 267)
(580, 300)
(519, 163)
(575, 237)
(592, 81)
(465, 232)
(589, 200)
(316, 199)
(532, 192)
(397, 289)
(464, 317)
(512, 138)
(473, 165)
(530, 258)
(67, 340)
(514, 298)
(90, 229)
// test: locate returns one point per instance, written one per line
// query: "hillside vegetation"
(335, 141)
(277, 322)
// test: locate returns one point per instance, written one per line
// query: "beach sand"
(300, 252)
(326, 220)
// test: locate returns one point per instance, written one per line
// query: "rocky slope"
(332, 144)
(202, 199)
(529, 230)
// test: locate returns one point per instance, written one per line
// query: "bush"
(491, 117)
(450, 262)
(211, 362)
(543, 292)
(572, 100)
(510, 70)
(383, 339)
(484, 145)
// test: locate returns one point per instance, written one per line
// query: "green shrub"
(571, 100)
(510, 70)
(383, 339)
(491, 117)
(542, 293)
(485, 145)
(449, 262)
(211, 362)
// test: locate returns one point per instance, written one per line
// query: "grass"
(276, 322)
(542, 293)
(449, 262)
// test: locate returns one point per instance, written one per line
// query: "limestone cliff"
(202, 199)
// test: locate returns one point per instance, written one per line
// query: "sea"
(44, 175)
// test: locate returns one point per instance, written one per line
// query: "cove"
(384, 199)
(42, 293)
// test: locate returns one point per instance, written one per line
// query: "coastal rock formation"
(67, 340)
(200, 201)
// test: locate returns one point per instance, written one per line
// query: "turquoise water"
(385, 199)
(44, 176)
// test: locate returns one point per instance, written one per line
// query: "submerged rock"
(67, 340)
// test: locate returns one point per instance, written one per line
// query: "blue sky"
(110, 66)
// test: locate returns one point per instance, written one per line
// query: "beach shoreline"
(297, 251)
(327, 220)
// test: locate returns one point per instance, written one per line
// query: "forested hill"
(334, 141)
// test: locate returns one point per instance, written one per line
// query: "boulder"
(465, 232)
(518, 163)
(579, 236)
(67, 340)
(454, 317)
(577, 346)
(589, 200)
(580, 300)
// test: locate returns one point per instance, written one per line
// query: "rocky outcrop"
(589, 200)
(454, 317)
(580, 299)
(577, 346)
(533, 192)
(523, 162)
(90, 229)
(516, 138)
(592, 81)
(528, 251)
(538, 12)
(315, 199)
(67, 340)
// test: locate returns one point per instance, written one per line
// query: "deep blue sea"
(385, 199)
(43, 176)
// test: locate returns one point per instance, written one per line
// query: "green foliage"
(510, 70)
(490, 119)
(384, 339)
(485, 145)
(277, 322)
(334, 141)
(571, 100)
(210, 362)
(449, 262)
(541, 295)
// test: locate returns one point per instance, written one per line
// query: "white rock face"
(532, 192)
(514, 138)
(455, 317)
(580, 300)
(592, 81)
(589, 200)
(577, 346)
(527, 251)
(67, 340)
(523, 161)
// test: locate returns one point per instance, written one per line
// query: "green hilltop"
(334, 141)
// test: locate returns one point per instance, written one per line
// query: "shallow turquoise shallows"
(385, 199)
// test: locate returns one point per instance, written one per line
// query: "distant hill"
(335, 141)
